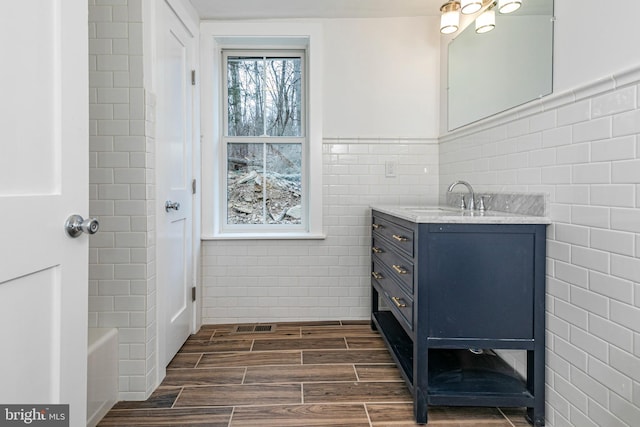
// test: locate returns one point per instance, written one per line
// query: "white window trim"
(218, 35)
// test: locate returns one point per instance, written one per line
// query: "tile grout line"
(173, 405)
(233, 411)
(505, 417)
(198, 361)
(366, 411)
(244, 375)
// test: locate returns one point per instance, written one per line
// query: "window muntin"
(264, 140)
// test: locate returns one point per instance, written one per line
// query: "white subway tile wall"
(122, 254)
(586, 155)
(268, 280)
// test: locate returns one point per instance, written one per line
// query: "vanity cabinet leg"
(534, 417)
(374, 306)
(535, 384)
(420, 371)
(420, 407)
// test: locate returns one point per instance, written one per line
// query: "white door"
(174, 175)
(44, 161)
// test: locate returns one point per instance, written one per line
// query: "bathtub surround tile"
(120, 178)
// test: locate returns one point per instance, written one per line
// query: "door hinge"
(193, 77)
(193, 293)
(193, 186)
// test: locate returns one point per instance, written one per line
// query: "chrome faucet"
(472, 196)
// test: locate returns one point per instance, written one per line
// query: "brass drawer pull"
(377, 275)
(376, 226)
(400, 238)
(399, 269)
(376, 250)
(397, 302)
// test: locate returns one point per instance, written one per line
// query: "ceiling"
(273, 9)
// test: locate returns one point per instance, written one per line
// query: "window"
(261, 98)
(264, 137)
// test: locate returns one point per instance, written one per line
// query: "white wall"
(381, 79)
(380, 86)
(582, 147)
(593, 40)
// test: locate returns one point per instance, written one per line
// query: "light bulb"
(508, 6)
(470, 6)
(486, 22)
(450, 19)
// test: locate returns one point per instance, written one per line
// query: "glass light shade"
(508, 6)
(450, 19)
(470, 6)
(486, 22)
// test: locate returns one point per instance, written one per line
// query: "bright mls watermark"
(34, 415)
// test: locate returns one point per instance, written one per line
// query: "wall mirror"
(509, 66)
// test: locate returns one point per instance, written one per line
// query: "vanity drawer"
(393, 294)
(401, 237)
(400, 267)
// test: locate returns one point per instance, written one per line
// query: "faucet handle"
(463, 205)
(481, 204)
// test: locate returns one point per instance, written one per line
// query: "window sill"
(265, 236)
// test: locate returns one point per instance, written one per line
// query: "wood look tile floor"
(317, 374)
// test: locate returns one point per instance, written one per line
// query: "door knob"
(76, 225)
(169, 205)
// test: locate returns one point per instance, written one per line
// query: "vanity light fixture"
(450, 18)
(485, 22)
(469, 7)
(508, 6)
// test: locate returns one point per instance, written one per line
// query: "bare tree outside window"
(264, 163)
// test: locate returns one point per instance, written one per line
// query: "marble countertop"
(447, 214)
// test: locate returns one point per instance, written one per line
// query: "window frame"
(253, 36)
(226, 139)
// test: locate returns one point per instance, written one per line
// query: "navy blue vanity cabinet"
(446, 295)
